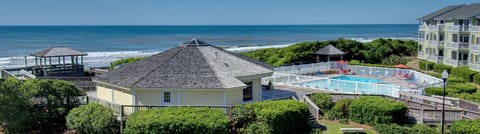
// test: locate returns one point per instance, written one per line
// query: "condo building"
(451, 36)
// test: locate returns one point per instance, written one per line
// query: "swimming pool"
(353, 84)
(357, 79)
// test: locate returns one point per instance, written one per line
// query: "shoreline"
(100, 59)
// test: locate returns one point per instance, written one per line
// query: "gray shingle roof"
(464, 12)
(329, 50)
(57, 52)
(440, 12)
(187, 66)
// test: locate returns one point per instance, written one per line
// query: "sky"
(217, 12)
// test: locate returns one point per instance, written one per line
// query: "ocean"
(105, 44)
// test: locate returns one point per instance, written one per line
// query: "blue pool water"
(358, 79)
(354, 84)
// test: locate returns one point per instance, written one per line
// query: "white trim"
(178, 98)
(113, 95)
(161, 98)
(134, 100)
(261, 91)
(224, 97)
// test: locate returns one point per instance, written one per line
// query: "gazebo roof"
(58, 52)
(191, 65)
(329, 50)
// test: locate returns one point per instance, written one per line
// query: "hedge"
(322, 100)
(455, 79)
(464, 72)
(462, 88)
(476, 78)
(181, 120)
(397, 129)
(92, 118)
(377, 110)
(422, 64)
(340, 108)
(281, 116)
(440, 67)
(465, 127)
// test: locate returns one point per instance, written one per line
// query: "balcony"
(458, 28)
(474, 66)
(434, 43)
(420, 54)
(422, 27)
(474, 47)
(434, 58)
(457, 45)
(433, 28)
(475, 29)
(456, 63)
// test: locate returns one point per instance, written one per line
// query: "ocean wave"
(364, 40)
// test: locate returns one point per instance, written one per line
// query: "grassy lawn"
(333, 127)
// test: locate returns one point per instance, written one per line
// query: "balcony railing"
(474, 47)
(435, 58)
(434, 27)
(434, 43)
(474, 66)
(422, 27)
(458, 28)
(457, 45)
(455, 62)
(475, 29)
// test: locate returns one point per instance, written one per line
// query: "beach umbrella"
(400, 66)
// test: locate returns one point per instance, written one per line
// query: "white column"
(179, 98)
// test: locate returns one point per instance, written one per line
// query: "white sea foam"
(364, 40)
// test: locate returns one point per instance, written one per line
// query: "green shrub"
(440, 67)
(422, 64)
(377, 110)
(92, 118)
(476, 78)
(340, 108)
(394, 59)
(397, 129)
(257, 128)
(182, 120)
(281, 116)
(322, 100)
(125, 61)
(464, 72)
(462, 88)
(455, 79)
(465, 127)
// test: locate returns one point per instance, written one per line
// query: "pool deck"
(391, 80)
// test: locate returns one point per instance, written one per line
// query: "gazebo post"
(36, 62)
(328, 58)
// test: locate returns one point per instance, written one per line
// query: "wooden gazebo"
(58, 61)
(329, 51)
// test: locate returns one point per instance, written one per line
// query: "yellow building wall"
(104, 93)
(190, 96)
(202, 97)
(122, 98)
(234, 97)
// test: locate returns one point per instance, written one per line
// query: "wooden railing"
(312, 107)
(461, 103)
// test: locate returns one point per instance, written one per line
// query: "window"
(166, 97)
(478, 41)
(248, 92)
(455, 37)
(453, 55)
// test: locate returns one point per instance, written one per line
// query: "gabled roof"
(187, 66)
(58, 52)
(464, 12)
(329, 50)
(440, 12)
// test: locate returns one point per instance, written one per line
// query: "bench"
(352, 130)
